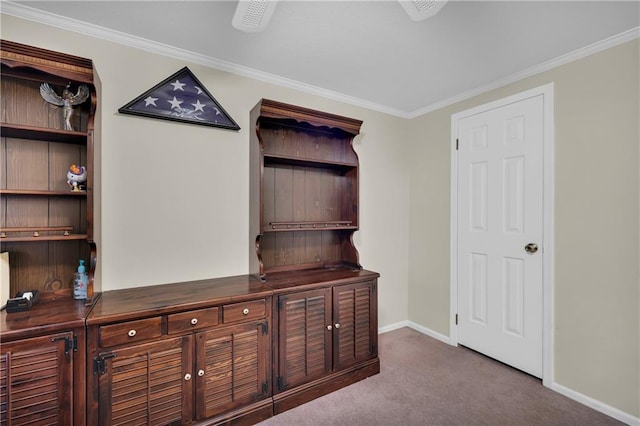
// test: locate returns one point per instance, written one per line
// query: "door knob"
(531, 248)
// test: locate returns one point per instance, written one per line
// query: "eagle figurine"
(67, 100)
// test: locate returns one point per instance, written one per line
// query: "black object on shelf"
(23, 301)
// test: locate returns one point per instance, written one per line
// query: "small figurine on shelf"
(76, 176)
(66, 101)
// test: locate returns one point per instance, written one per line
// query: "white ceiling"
(365, 52)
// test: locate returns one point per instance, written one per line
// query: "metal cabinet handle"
(245, 311)
(200, 373)
(187, 376)
(337, 325)
(194, 321)
(131, 333)
(329, 327)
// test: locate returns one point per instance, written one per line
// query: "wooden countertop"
(134, 303)
(311, 278)
(46, 316)
(125, 304)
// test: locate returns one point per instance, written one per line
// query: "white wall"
(175, 197)
(597, 233)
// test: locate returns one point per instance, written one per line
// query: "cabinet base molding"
(249, 415)
(299, 395)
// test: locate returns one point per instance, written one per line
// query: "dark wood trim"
(42, 134)
(279, 110)
(60, 64)
(36, 192)
(304, 393)
(248, 415)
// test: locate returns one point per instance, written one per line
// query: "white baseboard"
(392, 327)
(596, 405)
(420, 329)
(429, 332)
(569, 393)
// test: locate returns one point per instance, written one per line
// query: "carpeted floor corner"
(426, 382)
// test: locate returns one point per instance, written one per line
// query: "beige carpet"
(426, 382)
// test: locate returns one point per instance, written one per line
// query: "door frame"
(547, 93)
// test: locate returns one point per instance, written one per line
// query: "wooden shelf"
(303, 179)
(45, 193)
(35, 234)
(310, 226)
(36, 154)
(71, 237)
(272, 159)
(43, 134)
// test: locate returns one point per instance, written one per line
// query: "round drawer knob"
(337, 325)
(194, 321)
(329, 327)
(131, 333)
(187, 376)
(245, 311)
(200, 373)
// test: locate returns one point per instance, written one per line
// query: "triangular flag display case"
(181, 97)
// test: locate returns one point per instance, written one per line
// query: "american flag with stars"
(181, 97)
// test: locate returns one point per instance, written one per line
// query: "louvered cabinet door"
(36, 381)
(231, 367)
(355, 323)
(305, 329)
(148, 384)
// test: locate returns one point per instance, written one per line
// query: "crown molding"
(35, 15)
(596, 47)
(74, 25)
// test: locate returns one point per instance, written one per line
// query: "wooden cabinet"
(36, 376)
(305, 329)
(144, 384)
(42, 364)
(203, 352)
(355, 327)
(325, 330)
(45, 227)
(304, 211)
(183, 379)
(304, 189)
(327, 333)
(209, 363)
(232, 368)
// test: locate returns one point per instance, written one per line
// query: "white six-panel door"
(500, 233)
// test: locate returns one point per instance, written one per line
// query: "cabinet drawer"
(244, 311)
(132, 331)
(192, 320)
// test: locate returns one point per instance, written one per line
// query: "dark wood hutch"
(46, 229)
(304, 211)
(227, 350)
